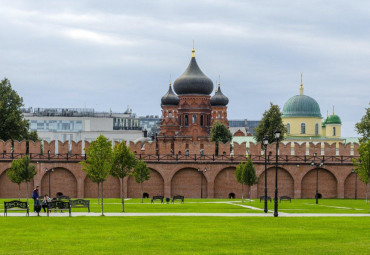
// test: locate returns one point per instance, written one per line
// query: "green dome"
(333, 119)
(301, 106)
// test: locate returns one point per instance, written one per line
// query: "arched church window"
(288, 128)
(170, 115)
(334, 131)
(316, 129)
(303, 128)
(219, 115)
(194, 119)
(186, 120)
(202, 120)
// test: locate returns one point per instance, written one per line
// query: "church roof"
(170, 98)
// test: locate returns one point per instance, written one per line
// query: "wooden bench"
(285, 198)
(59, 205)
(80, 203)
(262, 198)
(16, 205)
(157, 198)
(174, 198)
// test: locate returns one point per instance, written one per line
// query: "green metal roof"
(301, 106)
(333, 119)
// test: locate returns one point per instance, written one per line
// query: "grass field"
(227, 206)
(184, 235)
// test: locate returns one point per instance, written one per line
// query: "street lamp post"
(49, 172)
(277, 136)
(353, 171)
(265, 143)
(317, 165)
(201, 181)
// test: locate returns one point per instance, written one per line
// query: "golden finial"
(219, 81)
(193, 51)
(301, 87)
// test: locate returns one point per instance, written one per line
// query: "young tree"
(271, 120)
(98, 163)
(15, 174)
(13, 126)
(239, 177)
(123, 162)
(249, 175)
(363, 127)
(362, 164)
(141, 174)
(220, 133)
(28, 171)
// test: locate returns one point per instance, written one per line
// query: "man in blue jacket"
(35, 196)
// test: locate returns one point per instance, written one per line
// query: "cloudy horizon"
(107, 55)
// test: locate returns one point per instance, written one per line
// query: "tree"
(271, 120)
(98, 163)
(13, 126)
(362, 164)
(15, 174)
(239, 177)
(123, 162)
(363, 127)
(28, 171)
(220, 133)
(141, 174)
(249, 175)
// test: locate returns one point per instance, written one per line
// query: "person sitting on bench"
(45, 202)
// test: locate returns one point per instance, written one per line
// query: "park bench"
(63, 197)
(59, 205)
(80, 203)
(174, 198)
(157, 198)
(16, 205)
(262, 198)
(285, 198)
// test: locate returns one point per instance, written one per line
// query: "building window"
(288, 128)
(316, 129)
(180, 120)
(334, 132)
(303, 128)
(170, 115)
(186, 120)
(219, 115)
(202, 120)
(194, 119)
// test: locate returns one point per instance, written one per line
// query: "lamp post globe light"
(201, 180)
(277, 134)
(317, 166)
(49, 172)
(265, 143)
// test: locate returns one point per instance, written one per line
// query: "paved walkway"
(76, 214)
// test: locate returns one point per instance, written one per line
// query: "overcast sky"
(110, 54)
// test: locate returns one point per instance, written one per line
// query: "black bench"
(63, 198)
(174, 198)
(285, 198)
(157, 198)
(262, 198)
(80, 203)
(16, 205)
(59, 205)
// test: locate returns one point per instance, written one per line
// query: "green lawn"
(226, 206)
(184, 235)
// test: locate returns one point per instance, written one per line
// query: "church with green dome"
(303, 120)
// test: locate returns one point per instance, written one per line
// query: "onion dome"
(219, 99)
(170, 98)
(301, 106)
(333, 119)
(193, 81)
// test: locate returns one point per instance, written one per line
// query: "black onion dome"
(219, 99)
(193, 81)
(170, 98)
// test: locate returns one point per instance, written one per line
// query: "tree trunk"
(250, 201)
(27, 191)
(142, 195)
(102, 197)
(19, 191)
(242, 193)
(98, 192)
(122, 196)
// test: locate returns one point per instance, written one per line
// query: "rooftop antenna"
(333, 109)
